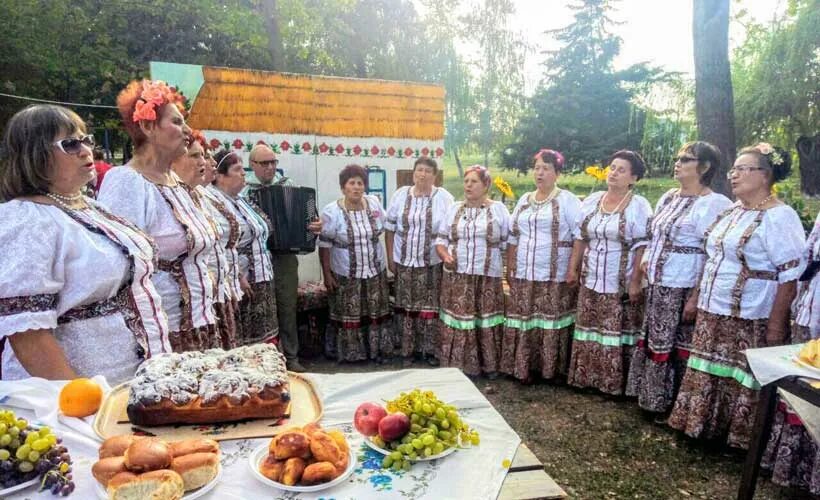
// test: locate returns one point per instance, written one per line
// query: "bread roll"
(292, 473)
(148, 454)
(106, 468)
(272, 468)
(196, 469)
(325, 449)
(116, 446)
(320, 472)
(290, 444)
(155, 485)
(340, 439)
(188, 446)
(309, 429)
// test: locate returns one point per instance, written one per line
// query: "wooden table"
(763, 425)
(527, 479)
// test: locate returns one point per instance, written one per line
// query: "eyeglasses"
(268, 163)
(742, 169)
(73, 145)
(683, 159)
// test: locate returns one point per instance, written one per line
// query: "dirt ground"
(599, 447)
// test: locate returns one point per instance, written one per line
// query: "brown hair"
(637, 165)
(224, 160)
(426, 160)
(350, 172)
(705, 153)
(28, 149)
(779, 170)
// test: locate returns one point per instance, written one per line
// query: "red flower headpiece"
(154, 95)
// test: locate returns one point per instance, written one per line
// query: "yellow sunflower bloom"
(504, 187)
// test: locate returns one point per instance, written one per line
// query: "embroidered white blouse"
(675, 255)
(543, 233)
(771, 244)
(608, 236)
(353, 237)
(54, 263)
(179, 228)
(476, 237)
(254, 258)
(233, 290)
(807, 304)
(218, 264)
(414, 220)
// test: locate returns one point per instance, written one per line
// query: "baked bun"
(272, 468)
(154, 485)
(320, 472)
(148, 454)
(292, 473)
(340, 439)
(309, 429)
(196, 469)
(116, 446)
(325, 449)
(106, 468)
(189, 446)
(290, 444)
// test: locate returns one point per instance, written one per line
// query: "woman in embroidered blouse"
(355, 273)
(672, 265)
(471, 242)
(55, 322)
(754, 257)
(414, 213)
(256, 315)
(147, 193)
(541, 307)
(610, 241)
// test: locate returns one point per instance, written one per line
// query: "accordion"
(290, 209)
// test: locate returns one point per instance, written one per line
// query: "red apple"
(367, 417)
(394, 426)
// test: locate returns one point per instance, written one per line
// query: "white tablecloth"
(474, 473)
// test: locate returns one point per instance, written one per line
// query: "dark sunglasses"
(73, 145)
(268, 163)
(683, 159)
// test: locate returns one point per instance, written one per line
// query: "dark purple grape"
(69, 469)
(55, 489)
(6, 465)
(12, 481)
(69, 476)
(71, 486)
(59, 440)
(65, 457)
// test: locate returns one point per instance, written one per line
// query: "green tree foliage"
(775, 74)
(583, 106)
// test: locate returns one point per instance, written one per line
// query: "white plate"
(260, 454)
(20, 486)
(443, 454)
(805, 365)
(189, 495)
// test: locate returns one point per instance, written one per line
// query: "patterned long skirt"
(537, 330)
(226, 321)
(659, 360)
(195, 339)
(606, 331)
(416, 309)
(719, 394)
(360, 320)
(472, 317)
(256, 318)
(792, 455)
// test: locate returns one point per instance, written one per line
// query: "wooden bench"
(528, 480)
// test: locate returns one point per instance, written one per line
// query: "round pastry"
(325, 449)
(106, 468)
(309, 429)
(159, 484)
(292, 473)
(189, 446)
(148, 454)
(196, 469)
(272, 468)
(290, 444)
(116, 446)
(320, 472)
(340, 439)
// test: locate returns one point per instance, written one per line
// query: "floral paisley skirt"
(416, 309)
(360, 326)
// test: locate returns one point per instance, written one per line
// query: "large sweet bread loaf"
(210, 386)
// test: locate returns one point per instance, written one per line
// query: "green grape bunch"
(27, 453)
(434, 428)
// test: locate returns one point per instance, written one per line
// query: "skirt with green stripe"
(537, 329)
(472, 322)
(606, 331)
(719, 394)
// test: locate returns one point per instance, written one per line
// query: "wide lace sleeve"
(394, 209)
(33, 272)
(443, 229)
(784, 240)
(514, 232)
(639, 218)
(707, 213)
(329, 225)
(503, 217)
(124, 193)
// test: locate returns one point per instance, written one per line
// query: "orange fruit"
(80, 398)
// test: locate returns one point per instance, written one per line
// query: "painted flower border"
(325, 149)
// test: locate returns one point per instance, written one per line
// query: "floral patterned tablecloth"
(475, 473)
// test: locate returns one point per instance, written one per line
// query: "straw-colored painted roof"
(258, 101)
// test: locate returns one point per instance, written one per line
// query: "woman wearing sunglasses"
(609, 243)
(472, 245)
(754, 256)
(672, 265)
(148, 193)
(76, 279)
